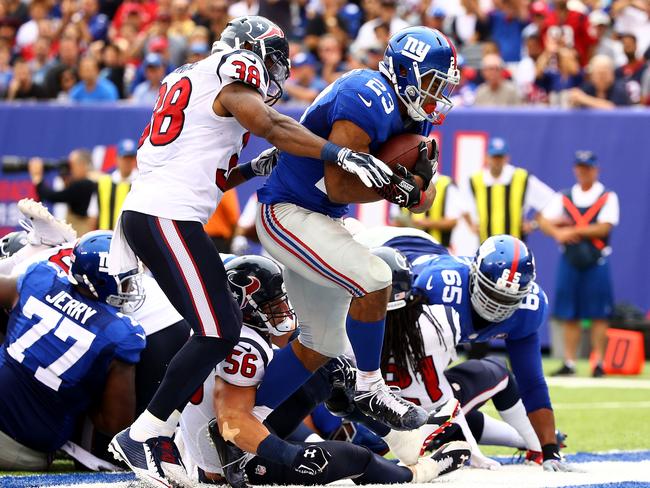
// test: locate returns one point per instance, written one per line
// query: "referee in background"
(502, 195)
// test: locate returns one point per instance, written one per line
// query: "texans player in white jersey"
(338, 288)
(187, 158)
(229, 392)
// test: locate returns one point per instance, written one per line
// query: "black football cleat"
(233, 459)
(386, 406)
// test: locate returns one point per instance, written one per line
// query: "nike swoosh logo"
(142, 336)
(429, 285)
(246, 348)
(365, 102)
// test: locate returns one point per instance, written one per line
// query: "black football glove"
(402, 189)
(312, 460)
(342, 373)
(426, 167)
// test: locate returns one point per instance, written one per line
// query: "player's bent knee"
(379, 274)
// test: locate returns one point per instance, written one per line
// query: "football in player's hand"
(403, 149)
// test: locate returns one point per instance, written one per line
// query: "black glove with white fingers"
(373, 172)
(426, 167)
(403, 190)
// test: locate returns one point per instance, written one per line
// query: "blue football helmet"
(502, 274)
(401, 292)
(419, 56)
(89, 270)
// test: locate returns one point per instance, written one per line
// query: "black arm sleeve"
(77, 195)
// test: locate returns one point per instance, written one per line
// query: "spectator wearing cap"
(106, 202)
(304, 84)
(496, 90)
(367, 38)
(502, 195)
(602, 90)
(605, 44)
(146, 92)
(92, 88)
(435, 18)
(632, 71)
(581, 220)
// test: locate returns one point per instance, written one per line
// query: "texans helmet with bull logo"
(257, 285)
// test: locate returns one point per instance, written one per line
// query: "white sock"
(516, 416)
(172, 422)
(498, 433)
(147, 426)
(366, 380)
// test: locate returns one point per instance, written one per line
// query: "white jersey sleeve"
(247, 362)
(244, 67)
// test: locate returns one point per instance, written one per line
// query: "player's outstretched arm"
(116, 410)
(246, 105)
(8, 291)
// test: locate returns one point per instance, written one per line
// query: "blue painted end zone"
(587, 457)
(622, 484)
(38, 480)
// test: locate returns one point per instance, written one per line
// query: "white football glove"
(371, 171)
(478, 460)
(263, 164)
(239, 245)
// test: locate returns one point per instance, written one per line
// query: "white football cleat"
(45, 229)
(448, 458)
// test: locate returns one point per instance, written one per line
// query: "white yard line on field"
(572, 382)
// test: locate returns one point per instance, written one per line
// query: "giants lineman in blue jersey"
(67, 348)
(336, 285)
(495, 296)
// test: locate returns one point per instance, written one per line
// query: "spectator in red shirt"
(632, 71)
(571, 29)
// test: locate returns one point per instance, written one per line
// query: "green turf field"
(598, 418)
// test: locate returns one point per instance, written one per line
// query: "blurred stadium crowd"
(566, 53)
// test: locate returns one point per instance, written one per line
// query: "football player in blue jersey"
(68, 350)
(496, 296)
(337, 286)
